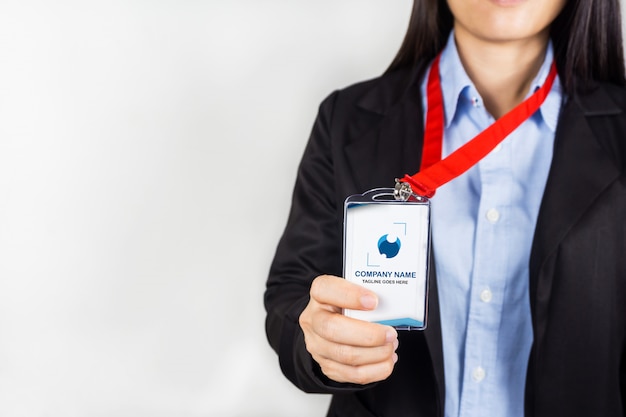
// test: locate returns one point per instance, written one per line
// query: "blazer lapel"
(580, 171)
(386, 141)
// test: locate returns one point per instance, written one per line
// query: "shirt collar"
(456, 85)
(552, 105)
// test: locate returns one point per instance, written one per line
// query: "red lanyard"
(434, 172)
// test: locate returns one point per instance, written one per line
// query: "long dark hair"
(587, 38)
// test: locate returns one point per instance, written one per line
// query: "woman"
(527, 302)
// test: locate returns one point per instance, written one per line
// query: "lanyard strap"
(434, 171)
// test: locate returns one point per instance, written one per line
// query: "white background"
(147, 155)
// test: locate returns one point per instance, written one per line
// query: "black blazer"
(369, 134)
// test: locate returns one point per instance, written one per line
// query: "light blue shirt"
(483, 224)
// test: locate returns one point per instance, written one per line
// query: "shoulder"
(393, 84)
(373, 98)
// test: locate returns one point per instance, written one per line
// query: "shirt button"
(486, 295)
(493, 215)
(478, 374)
(476, 102)
(498, 148)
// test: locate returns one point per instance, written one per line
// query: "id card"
(386, 249)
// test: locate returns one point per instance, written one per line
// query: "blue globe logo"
(389, 246)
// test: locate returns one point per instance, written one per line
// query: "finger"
(356, 355)
(363, 374)
(335, 291)
(337, 328)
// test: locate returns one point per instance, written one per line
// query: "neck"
(501, 71)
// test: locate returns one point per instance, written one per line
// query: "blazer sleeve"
(311, 245)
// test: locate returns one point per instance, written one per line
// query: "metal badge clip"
(402, 191)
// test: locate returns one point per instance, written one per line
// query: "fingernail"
(395, 357)
(391, 336)
(368, 301)
(395, 344)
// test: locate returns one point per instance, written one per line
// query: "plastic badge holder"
(386, 249)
